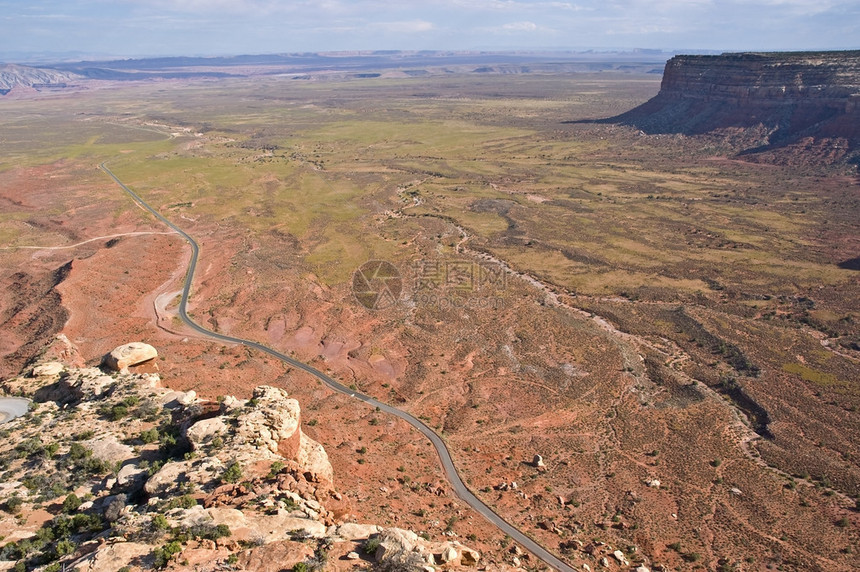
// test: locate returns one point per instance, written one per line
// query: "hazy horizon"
(153, 28)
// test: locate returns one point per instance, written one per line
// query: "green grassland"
(590, 208)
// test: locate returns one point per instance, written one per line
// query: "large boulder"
(205, 430)
(111, 557)
(353, 531)
(395, 544)
(108, 448)
(125, 356)
(469, 557)
(48, 369)
(275, 556)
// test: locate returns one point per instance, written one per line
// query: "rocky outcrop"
(787, 97)
(403, 548)
(127, 355)
(161, 478)
(273, 423)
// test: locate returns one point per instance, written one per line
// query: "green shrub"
(232, 474)
(692, 557)
(209, 532)
(65, 547)
(86, 523)
(29, 447)
(185, 501)
(116, 412)
(51, 450)
(275, 468)
(449, 524)
(159, 522)
(71, 503)
(13, 504)
(149, 436)
(163, 554)
(78, 452)
(370, 545)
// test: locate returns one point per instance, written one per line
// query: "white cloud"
(520, 27)
(407, 27)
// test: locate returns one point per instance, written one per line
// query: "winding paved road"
(457, 484)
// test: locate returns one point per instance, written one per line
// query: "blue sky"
(223, 27)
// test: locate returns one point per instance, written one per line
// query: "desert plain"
(673, 328)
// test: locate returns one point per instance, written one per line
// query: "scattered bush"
(163, 554)
(370, 545)
(65, 547)
(116, 412)
(275, 468)
(29, 447)
(210, 532)
(449, 524)
(114, 510)
(232, 473)
(149, 436)
(13, 504)
(692, 557)
(71, 503)
(185, 501)
(51, 450)
(78, 452)
(159, 522)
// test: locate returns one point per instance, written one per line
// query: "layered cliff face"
(787, 97)
(12, 76)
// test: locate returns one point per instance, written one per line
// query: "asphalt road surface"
(456, 483)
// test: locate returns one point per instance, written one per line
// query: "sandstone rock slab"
(127, 355)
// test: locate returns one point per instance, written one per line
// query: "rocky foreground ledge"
(111, 471)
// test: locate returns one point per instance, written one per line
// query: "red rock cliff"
(791, 97)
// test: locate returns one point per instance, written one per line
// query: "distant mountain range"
(362, 64)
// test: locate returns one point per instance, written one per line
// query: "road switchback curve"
(457, 485)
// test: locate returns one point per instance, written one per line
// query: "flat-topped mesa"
(830, 79)
(810, 98)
